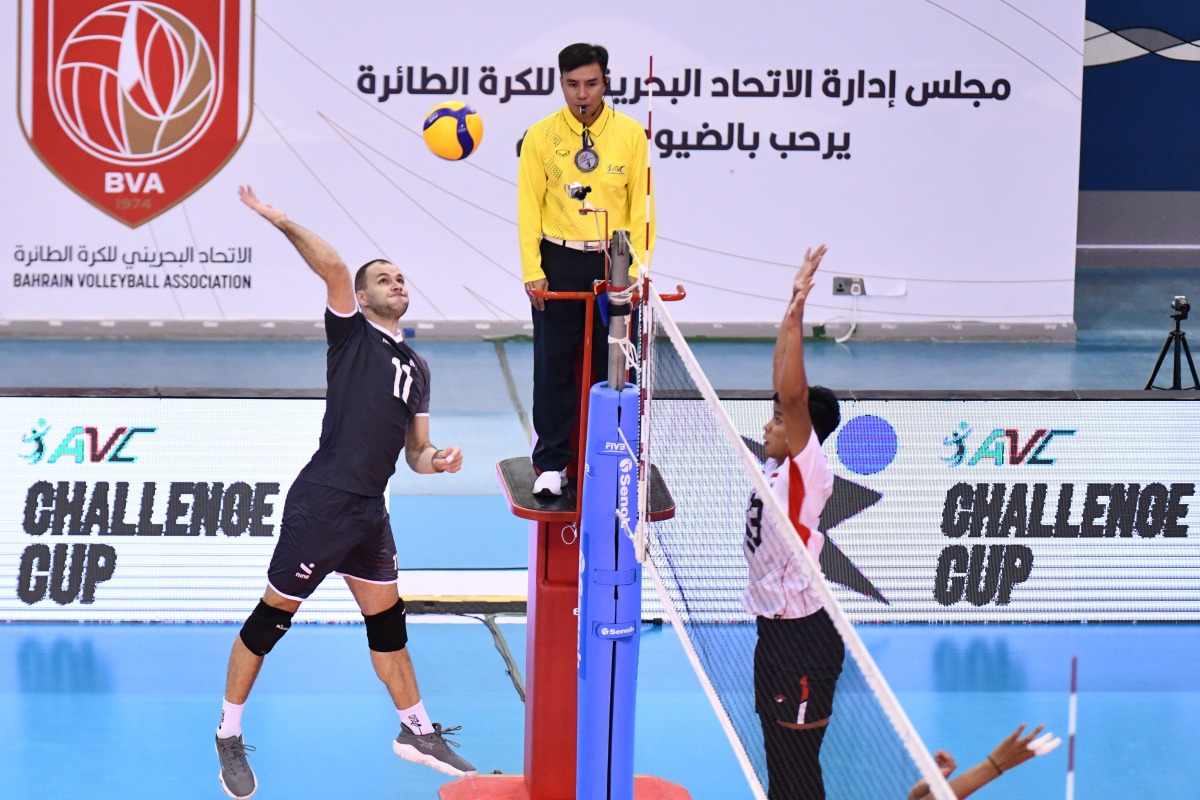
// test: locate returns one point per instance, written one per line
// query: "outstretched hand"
(268, 212)
(1017, 749)
(803, 282)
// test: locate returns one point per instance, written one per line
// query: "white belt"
(587, 247)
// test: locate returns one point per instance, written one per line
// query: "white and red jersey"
(778, 587)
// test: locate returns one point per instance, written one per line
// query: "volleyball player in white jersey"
(799, 654)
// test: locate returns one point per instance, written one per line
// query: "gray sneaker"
(432, 750)
(237, 779)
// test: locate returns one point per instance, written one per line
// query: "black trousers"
(797, 663)
(557, 344)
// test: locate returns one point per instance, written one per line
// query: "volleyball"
(453, 130)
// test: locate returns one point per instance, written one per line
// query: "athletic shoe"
(432, 750)
(237, 779)
(550, 484)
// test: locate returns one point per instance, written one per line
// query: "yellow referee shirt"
(619, 185)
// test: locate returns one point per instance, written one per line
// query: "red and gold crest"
(135, 105)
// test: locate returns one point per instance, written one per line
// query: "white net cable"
(869, 749)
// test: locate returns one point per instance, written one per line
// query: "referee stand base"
(512, 787)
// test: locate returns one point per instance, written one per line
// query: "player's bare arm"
(802, 280)
(1013, 751)
(423, 456)
(316, 252)
(793, 380)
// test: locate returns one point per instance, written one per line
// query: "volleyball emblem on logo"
(453, 130)
(135, 83)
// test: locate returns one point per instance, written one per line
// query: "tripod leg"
(1158, 364)
(1187, 351)
(1177, 365)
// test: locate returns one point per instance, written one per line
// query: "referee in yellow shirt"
(589, 144)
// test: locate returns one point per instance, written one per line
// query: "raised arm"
(316, 252)
(791, 381)
(781, 340)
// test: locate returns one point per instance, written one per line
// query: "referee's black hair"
(823, 410)
(574, 56)
(360, 277)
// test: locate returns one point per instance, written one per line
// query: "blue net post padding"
(610, 600)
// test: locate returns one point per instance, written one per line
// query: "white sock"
(231, 720)
(416, 719)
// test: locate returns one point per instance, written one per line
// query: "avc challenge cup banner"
(965, 510)
(120, 509)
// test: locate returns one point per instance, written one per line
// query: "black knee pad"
(387, 631)
(265, 626)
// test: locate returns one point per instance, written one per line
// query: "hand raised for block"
(803, 282)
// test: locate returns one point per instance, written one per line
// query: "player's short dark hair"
(360, 277)
(823, 410)
(574, 56)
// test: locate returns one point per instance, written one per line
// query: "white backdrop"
(954, 207)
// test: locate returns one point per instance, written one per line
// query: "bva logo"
(135, 105)
(82, 442)
(1001, 442)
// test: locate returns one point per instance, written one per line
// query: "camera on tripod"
(1181, 306)
(1176, 343)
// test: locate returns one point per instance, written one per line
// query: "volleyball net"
(696, 575)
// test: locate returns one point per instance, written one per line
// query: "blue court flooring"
(118, 711)
(100, 711)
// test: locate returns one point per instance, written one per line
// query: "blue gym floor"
(100, 711)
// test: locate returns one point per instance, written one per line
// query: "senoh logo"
(1003, 446)
(618, 630)
(82, 443)
(623, 482)
(135, 105)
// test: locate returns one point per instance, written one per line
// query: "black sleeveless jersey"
(375, 385)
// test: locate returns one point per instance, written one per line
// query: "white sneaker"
(550, 484)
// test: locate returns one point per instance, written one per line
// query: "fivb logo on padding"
(135, 105)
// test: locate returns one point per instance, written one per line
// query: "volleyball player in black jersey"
(334, 519)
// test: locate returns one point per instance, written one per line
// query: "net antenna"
(645, 349)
